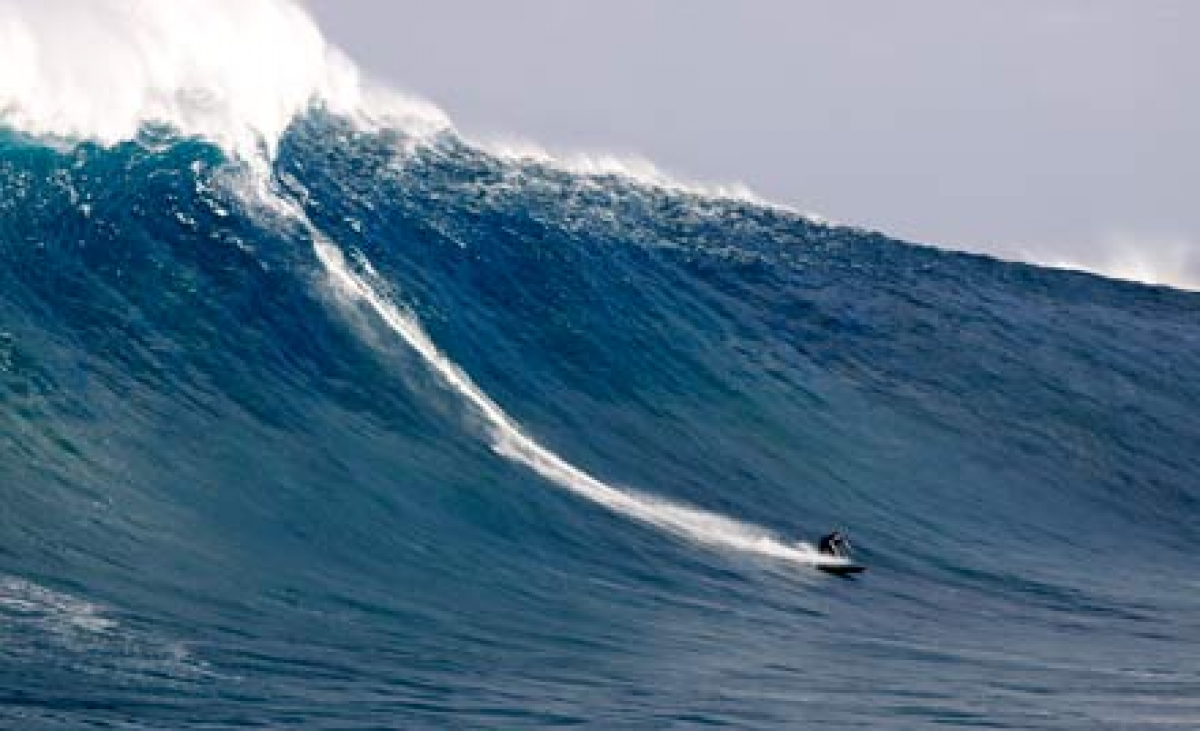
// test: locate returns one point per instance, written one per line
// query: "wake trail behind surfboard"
(509, 440)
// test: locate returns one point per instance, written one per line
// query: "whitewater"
(315, 413)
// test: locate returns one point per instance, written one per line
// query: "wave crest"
(235, 72)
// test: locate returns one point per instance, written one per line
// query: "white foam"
(510, 440)
(1170, 260)
(85, 636)
(603, 164)
(29, 602)
(236, 72)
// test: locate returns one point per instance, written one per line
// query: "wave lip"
(235, 72)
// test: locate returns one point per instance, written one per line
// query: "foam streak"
(510, 440)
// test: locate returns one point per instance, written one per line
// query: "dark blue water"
(234, 497)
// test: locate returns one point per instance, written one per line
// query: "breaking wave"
(317, 414)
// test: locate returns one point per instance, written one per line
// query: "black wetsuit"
(833, 544)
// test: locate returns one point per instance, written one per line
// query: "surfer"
(834, 544)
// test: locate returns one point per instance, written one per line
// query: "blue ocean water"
(418, 436)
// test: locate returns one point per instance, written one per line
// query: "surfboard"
(842, 569)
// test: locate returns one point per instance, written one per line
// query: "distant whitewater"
(318, 415)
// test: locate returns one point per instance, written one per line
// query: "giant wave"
(317, 414)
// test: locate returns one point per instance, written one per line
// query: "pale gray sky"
(1057, 131)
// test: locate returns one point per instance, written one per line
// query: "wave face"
(392, 431)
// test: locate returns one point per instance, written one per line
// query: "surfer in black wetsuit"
(834, 544)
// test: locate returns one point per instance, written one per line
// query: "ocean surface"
(388, 430)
